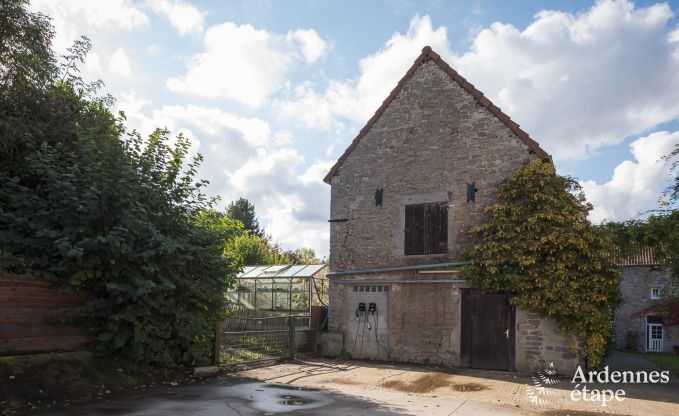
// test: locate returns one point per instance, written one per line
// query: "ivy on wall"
(539, 245)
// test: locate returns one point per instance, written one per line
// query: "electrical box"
(367, 330)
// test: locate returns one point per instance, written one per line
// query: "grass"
(243, 350)
(665, 361)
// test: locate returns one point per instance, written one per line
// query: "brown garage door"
(487, 338)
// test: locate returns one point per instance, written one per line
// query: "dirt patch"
(342, 381)
(469, 387)
(575, 413)
(424, 384)
(430, 382)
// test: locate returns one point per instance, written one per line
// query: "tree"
(89, 205)
(253, 250)
(539, 244)
(302, 255)
(244, 211)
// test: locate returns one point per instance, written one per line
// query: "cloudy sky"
(271, 92)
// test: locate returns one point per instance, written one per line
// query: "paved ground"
(422, 390)
(358, 388)
(620, 360)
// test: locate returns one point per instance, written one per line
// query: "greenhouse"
(284, 289)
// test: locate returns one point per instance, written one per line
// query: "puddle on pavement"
(289, 387)
(279, 398)
(289, 400)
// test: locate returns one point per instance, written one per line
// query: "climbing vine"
(538, 244)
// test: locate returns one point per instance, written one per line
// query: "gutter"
(397, 282)
(399, 268)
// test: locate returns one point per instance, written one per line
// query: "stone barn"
(403, 197)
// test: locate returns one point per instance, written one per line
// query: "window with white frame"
(655, 293)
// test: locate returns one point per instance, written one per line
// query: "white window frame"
(655, 293)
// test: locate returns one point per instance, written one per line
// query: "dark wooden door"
(487, 332)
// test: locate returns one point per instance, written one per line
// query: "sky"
(272, 92)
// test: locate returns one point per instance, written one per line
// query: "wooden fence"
(34, 316)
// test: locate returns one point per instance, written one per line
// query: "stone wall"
(424, 325)
(636, 283)
(539, 344)
(423, 321)
(431, 141)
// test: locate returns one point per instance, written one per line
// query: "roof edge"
(429, 54)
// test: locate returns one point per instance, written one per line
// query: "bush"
(89, 205)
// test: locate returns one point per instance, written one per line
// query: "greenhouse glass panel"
(246, 293)
(281, 293)
(300, 294)
(264, 294)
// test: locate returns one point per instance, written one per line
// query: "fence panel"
(242, 339)
(34, 316)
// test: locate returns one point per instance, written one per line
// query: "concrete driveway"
(327, 387)
(431, 391)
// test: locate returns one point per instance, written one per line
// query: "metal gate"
(244, 340)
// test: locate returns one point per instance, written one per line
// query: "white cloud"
(266, 164)
(316, 172)
(243, 157)
(357, 99)
(73, 18)
(580, 82)
(635, 185)
(313, 47)
(291, 229)
(131, 103)
(245, 64)
(119, 64)
(184, 17)
(283, 137)
(93, 65)
(576, 82)
(214, 122)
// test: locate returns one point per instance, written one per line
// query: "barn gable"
(429, 55)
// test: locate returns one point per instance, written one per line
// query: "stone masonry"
(432, 139)
(636, 283)
(540, 344)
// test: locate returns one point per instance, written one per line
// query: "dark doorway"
(487, 332)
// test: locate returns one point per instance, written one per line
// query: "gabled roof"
(637, 256)
(426, 55)
(280, 271)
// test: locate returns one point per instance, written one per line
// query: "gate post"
(291, 336)
(218, 342)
